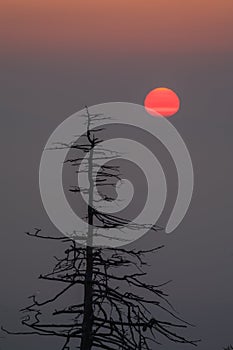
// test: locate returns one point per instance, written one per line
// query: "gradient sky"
(29, 26)
(56, 57)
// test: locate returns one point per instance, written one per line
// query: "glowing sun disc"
(163, 101)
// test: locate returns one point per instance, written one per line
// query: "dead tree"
(118, 310)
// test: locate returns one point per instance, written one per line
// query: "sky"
(115, 27)
(57, 57)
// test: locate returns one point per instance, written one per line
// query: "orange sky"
(28, 26)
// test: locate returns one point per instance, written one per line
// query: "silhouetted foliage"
(117, 308)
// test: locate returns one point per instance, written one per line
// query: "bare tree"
(118, 309)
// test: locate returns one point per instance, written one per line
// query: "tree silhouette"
(118, 309)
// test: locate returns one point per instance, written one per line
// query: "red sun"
(162, 101)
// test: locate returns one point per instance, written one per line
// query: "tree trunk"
(86, 341)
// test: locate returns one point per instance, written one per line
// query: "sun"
(163, 101)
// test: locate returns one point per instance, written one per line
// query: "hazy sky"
(57, 56)
(115, 27)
